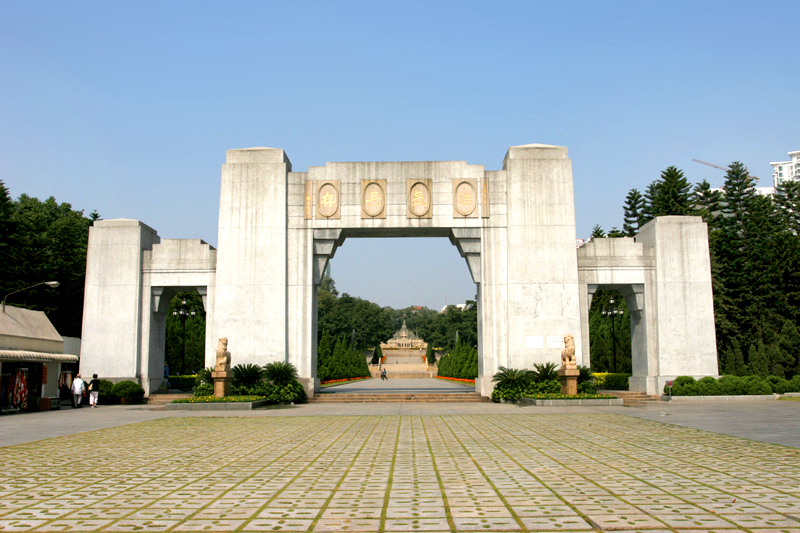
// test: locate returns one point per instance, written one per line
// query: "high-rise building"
(786, 170)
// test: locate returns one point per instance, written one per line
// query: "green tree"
(633, 218)
(194, 358)
(706, 203)
(597, 232)
(758, 360)
(430, 355)
(673, 194)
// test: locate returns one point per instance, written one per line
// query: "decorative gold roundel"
(328, 200)
(374, 199)
(466, 199)
(419, 201)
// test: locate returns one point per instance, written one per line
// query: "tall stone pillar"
(250, 304)
(112, 304)
(542, 267)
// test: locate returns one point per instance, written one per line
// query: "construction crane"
(721, 167)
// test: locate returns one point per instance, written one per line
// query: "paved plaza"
(533, 471)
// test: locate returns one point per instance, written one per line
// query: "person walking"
(383, 375)
(94, 390)
(77, 391)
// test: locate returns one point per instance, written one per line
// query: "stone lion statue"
(568, 353)
(223, 356)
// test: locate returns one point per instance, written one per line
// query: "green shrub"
(731, 385)
(611, 381)
(247, 375)
(280, 373)
(182, 382)
(756, 385)
(544, 372)
(777, 384)
(106, 392)
(511, 378)
(129, 391)
(585, 374)
(708, 386)
(205, 389)
(587, 387)
(794, 384)
(204, 376)
(461, 363)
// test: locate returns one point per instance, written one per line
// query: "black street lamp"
(611, 313)
(183, 312)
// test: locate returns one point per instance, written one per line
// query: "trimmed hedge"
(182, 382)
(292, 392)
(611, 381)
(732, 386)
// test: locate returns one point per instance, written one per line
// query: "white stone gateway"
(515, 227)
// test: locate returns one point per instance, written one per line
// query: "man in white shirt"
(77, 391)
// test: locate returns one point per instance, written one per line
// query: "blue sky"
(128, 108)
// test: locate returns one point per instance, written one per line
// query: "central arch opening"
(400, 303)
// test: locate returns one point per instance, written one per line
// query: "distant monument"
(404, 338)
(222, 374)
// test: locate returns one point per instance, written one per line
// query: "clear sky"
(128, 107)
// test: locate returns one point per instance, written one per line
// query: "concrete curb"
(576, 402)
(215, 406)
(739, 398)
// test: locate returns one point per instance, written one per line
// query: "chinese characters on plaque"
(465, 198)
(419, 198)
(373, 198)
(328, 199)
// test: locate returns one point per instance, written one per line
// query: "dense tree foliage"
(339, 360)
(461, 363)
(191, 360)
(755, 265)
(609, 335)
(44, 241)
(345, 314)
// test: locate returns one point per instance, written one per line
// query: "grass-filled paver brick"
(377, 474)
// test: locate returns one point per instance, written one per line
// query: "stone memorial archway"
(515, 227)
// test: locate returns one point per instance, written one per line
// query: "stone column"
(250, 305)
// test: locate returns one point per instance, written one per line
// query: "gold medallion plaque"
(419, 199)
(328, 199)
(465, 198)
(373, 198)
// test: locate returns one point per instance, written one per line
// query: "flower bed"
(214, 399)
(343, 380)
(554, 396)
(469, 381)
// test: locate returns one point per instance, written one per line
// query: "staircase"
(388, 397)
(164, 399)
(632, 399)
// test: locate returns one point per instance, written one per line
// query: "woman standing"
(94, 390)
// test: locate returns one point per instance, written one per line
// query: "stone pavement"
(535, 471)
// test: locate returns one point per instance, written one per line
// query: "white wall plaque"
(534, 342)
(555, 342)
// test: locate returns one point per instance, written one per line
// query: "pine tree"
(758, 360)
(673, 194)
(650, 194)
(430, 355)
(734, 364)
(633, 218)
(706, 203)
(324, 356)
(616, 232)
(787, 198)
(597, 232)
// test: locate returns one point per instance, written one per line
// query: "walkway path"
(395, 386)
(539, 472)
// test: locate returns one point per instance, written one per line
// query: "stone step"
(397, 397)
(631, 398)
(164, 399)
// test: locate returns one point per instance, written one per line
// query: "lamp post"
(611, 313)
(52, 284)
(183, 312)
